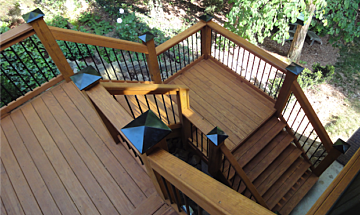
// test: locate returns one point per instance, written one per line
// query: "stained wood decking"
(225, 101)
(58, 158)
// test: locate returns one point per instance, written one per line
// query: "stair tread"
(294, 196)
(285, 182)
(255, 137)
(251, 148)
(276, 169)
(149, 206)
(262, 160)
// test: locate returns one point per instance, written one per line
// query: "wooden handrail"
(233, 162)
(180, 37)
(313, 118)
(15, 35)
(96, 40)
(198, 121)
(211, 195)
(115, 88)
(257, 51)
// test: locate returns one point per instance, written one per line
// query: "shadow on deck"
(58, 158)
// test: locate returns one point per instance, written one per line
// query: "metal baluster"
(292, 110)
(172, 107)
(72, 55)
(197, 142)
(137, 57)
(157, 106)
(197, 45)
(87, 48)
(228, 56)
(10, 94)
(176, 197)
(311, 146)
(219, 48)
(272, 85)
(102, 62)
(132, 63)
(82, 56)
(37, 48)
(215, 45)
(127, 101)
(296, 117)
(161, 71)
(257, 72)
(188, 48)
(268, 78)
(122, 54)
(32, 75)
(186, 204)
(122, 73)
(247, 66)
(184, 54)
(307, 138)
(242, 61)
(147, 102)
(291, 94)
(237, 189)
(167, 189)
(166, 69)
(280, 84)
(232, 61)
(224, 51)
(146, 66)
(237, 60)
(4, 73)
(112, 66)
(192, 47)
(319, 157)
(252, 67)
(167, 116)
(228, 175)
(262, 75)
(303, 131)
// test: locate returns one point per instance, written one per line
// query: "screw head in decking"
(86, 78)
(33, 15)
(341, 145)
(146, 131)
(147, 36)
(206, 17)
(217, 136)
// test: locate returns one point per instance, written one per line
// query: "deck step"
(276, 169)
(271, 151)
(286, 182)
(296, 193)
(149, 206)
(249, 149)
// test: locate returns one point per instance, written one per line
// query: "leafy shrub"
(319, 75)
(94, 22)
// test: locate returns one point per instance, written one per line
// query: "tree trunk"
(299, 37)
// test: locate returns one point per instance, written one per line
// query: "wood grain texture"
(21, 100)
(8, 195)
(210, 194)
(43, 164)
(15, 40)
(180, 37)
(96, 40)
(20, 185)
(150, 206)
(12, 34)
(152, 62)
(115, 88)
(34, 179)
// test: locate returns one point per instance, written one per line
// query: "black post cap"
(295, 68)
(217, 136)
(206, 17)
(86, 78)
(33, 15)
(146, 131)
(341, 146)
(147, 36)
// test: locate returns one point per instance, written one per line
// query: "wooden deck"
(224, 100)
(57, 157)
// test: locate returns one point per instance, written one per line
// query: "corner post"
(206, 37)
(339, 147)
(182, 97)
(216, 138)
(293, 71)
(35, 19)
(138, 132)
(151, 58)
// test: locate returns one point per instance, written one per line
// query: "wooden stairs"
(275, 166)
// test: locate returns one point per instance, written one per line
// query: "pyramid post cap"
(33, 15)
(295, 68)
(146, 131)
(217, 136)
(206, 17)
(341, 146)
(86, 78)
(146, 37)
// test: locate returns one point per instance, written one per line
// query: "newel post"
(206, 37)
(293, 71)
(146, 133)
(151, 58)
(35, 19)
(216, 138)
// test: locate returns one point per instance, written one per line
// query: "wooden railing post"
(151, 58)
(206, 37)
(35, 19)
(216, 139)
(183, 104)
(293, 72)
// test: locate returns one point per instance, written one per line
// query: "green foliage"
(41, 72)
(255, 20)
(341, 21)
(213, 6)
(94, 22)
(59, 21)
(319, 75)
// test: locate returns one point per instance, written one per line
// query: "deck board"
(57, 157)
(225, 101)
